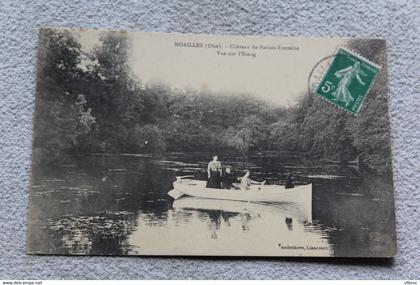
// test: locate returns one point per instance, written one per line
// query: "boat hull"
(257, 193)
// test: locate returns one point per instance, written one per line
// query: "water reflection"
(289, 223)
(303, 212)
(215, 217)
(79, 233)
(237, 227)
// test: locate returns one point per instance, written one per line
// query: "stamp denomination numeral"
(327, 87)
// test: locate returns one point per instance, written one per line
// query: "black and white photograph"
(205, 145)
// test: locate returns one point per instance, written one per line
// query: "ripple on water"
(79, 233)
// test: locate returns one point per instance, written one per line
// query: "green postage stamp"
(347, 80)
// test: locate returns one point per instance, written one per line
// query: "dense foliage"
(90, 102)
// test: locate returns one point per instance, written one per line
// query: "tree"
(57, 117)
(101, 106)
(59, 58)
(370, 132)
(113, 94)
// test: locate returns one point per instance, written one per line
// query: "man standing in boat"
(214, 173)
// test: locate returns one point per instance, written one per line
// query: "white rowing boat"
(257, 193)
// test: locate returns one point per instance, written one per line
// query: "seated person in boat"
(214, 173)
(246, 181)
(290, 181)
(228, 179)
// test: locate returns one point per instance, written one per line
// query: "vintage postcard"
(180, 144)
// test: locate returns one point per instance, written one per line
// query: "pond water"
(118, 205)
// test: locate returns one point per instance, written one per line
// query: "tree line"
(91, 102)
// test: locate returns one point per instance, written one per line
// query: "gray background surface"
(397, 21)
